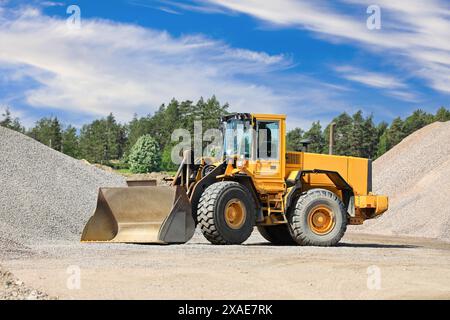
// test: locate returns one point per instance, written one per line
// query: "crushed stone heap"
(415, 175)
(44, 194)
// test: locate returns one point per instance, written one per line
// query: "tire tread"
(295, 219)
(206, 208)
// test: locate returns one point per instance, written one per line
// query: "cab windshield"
(237, 138)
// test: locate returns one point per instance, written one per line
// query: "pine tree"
(91, 144)
(137, 128)
(167, 119)
(370, 139)
(102, 140)
(70, 144)
(357, 136)
(111, 138)
(381, 128)
(395, 132)
(48, 132)
(316, 138)
(391, 136)
(10, 122)
(442, 114)
(210, 112)
(381, 145)
(122, 141)
(343, 135)
(57, 134)
(416, 121)
(293, 140)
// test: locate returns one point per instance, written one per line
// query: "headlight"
(240, 162)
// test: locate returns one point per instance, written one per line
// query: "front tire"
(319, 219)
(226, 213)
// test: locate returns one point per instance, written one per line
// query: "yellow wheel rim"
(321, 220)
(235, 213)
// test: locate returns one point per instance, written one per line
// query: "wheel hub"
(321, 220)
(235, 213)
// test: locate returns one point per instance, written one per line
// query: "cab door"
(268, 157)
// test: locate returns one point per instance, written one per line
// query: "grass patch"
(124, 171)
(127, 172)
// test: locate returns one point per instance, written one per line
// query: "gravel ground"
(45, 195)
(12, 288)
(361, 267)
(415, 175)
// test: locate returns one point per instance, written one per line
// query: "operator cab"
(251, 137)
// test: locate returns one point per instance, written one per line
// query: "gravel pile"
(415, 175)
(44, 194)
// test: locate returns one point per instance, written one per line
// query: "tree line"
(107, 141)
(357, 135)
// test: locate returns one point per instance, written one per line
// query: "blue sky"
(309, 59)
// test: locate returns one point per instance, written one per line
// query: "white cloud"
(388, 84)
(371, 79)
(404, 95)
(51, 4)
(122, 68)
(168, 10)
(415, 32)
(185, 6)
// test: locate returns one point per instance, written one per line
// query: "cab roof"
(249, 116)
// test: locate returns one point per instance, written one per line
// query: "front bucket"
(152, 214)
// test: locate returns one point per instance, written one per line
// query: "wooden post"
(332, 126)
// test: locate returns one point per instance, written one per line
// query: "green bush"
(167, 164)
(144, 155)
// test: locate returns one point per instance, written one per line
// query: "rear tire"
(278, 235)
(319, 219)
(226, 213)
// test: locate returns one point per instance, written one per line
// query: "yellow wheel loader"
(291, 197)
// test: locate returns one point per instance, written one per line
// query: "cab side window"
(268, 139)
